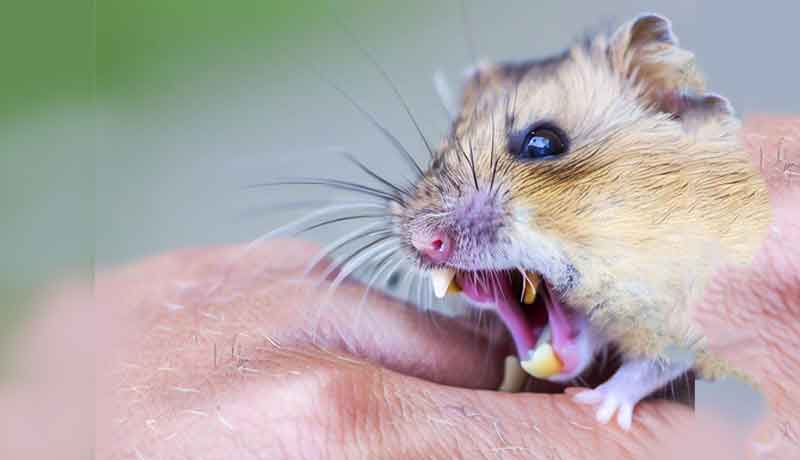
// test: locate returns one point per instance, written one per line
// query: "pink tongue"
(512, 315)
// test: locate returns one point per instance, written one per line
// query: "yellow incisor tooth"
(531, 283)
(454, 288)
(543, 362)
(514, 377)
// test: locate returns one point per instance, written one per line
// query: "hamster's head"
(604, 172)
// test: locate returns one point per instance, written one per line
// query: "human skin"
(226, 353)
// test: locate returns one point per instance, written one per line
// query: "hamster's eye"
(543, 141)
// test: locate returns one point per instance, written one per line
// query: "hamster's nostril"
(436, 247)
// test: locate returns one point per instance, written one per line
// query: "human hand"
(239, 362)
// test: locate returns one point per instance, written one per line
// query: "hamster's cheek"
(536, 250)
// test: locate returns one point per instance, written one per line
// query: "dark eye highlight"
(544, 141)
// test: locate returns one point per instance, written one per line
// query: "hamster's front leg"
(635, 380)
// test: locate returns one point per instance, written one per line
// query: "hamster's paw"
(634, 381)
(612, 398)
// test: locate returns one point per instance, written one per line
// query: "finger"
(402, 338)
(453, 423)
(774, 144)
(199, 305)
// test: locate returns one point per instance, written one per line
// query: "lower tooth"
(514, 377)
(543, 362)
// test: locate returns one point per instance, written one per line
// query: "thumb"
(751, 317)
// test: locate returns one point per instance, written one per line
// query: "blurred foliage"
(152, 46)
(48, 55)
(60, 52)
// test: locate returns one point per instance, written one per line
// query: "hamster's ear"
(483, 75)
(645, 50)
(683, 104)
(709, 115)
(707, 105)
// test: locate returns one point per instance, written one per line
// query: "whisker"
(378, 237)
(382, 129)
(342, 219)
(424, 292)
(383, 266)
(460, 150)
(492, 161)
(470, 162)
(294, 205)
(289, 228)
(309, 218)
(348, 265)
(395, 90)
(385, 75)
(511, 119)
(368, 231)
(357, 259)
(410, 273)
(384, 250)
(336, 184)
(495, 164)
(429, 310)
(472, 158)
(376, 176)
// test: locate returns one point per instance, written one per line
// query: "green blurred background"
(132, 127)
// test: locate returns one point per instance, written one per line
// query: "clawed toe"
(610, 404)
(632, 382)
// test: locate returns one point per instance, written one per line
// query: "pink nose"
(436, 247)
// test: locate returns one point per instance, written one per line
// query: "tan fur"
(645, 205)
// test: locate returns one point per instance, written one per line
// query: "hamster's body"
(609, 172)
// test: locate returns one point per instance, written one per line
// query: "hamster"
(586, 198)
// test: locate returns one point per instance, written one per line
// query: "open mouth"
(544, 330)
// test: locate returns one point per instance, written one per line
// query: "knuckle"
(349, 408)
